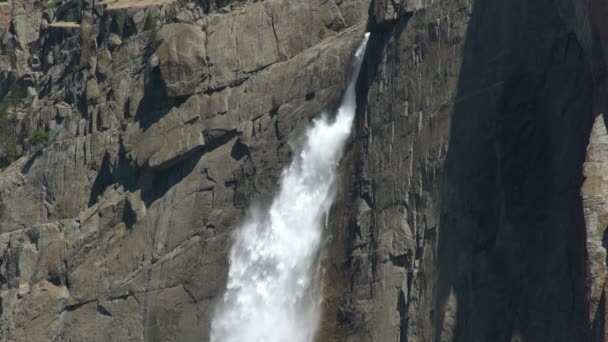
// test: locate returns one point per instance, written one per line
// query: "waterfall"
(270, 295)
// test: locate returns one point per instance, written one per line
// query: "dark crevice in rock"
(402, 309)
(605, 242)
(74, 307)
(189, 294)
(33, 235)
(102, 181)
(122, 297)
(129, 216)
(54, 279)
(66, 273)
(277, 130)
(206, 173)
(253, 71)
(274, 112)
(102, 310)
(280, 52)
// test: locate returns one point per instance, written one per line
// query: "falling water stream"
(271, 292)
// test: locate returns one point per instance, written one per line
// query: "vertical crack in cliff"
(280, 52)
(272, 285)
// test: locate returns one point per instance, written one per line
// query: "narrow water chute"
(270, 294)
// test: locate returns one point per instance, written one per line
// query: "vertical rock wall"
(136, 134)
(465, 219)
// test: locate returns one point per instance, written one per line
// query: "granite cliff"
(472, 202)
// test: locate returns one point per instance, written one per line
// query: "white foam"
(270, 294)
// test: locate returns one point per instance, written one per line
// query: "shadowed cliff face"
(511, 256)
(467, 220)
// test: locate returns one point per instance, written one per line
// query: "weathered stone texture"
(466, 221)
(182, 57)
(136, 134)
(595, 195)
(157, 125)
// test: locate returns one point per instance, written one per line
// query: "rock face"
(595, 208)
(471, 203)
(182, 57)
(466, 219)
(139, 135)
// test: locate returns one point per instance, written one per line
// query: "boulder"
(182, 58)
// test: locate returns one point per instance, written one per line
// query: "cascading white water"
(270, 294)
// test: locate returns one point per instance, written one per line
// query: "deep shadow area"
(155, 183)
(152, 183)
(599, 319)
(155, 104)
(511, 248)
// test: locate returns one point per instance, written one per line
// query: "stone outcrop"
(182, 58)
(471, 202)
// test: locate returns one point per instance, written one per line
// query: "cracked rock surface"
(135, 135)
(472, 198)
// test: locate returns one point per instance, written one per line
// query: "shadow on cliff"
(511, 248)
(155, 183)
(152, 183)
(155, 103)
